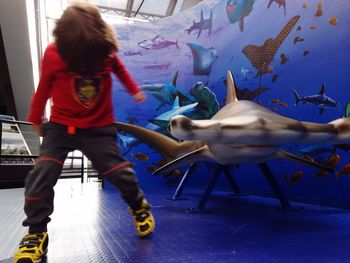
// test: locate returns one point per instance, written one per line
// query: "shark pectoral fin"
(201, 154)
(289, 156)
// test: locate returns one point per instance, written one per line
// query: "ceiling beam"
(171, 8)
(129, 6)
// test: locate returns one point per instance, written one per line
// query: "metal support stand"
(274, 185)
(211, 184)
(184, 180)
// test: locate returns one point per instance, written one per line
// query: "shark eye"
(186, 125)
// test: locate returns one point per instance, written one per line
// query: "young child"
(76, 75)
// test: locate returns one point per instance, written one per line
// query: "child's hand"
(140, 97)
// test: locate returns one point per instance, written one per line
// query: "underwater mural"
(289, 56)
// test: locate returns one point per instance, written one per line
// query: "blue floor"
(91, 224)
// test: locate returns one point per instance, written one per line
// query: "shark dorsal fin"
(202, 16)
(153, 39)
(175, 78)
(322, 90)
(176, 103)
(231, 89)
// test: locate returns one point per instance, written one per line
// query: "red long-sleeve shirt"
(79, 101)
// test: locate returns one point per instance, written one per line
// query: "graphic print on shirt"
(86, 90)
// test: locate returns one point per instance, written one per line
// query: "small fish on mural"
(333, 160)
(306, 53)
(245, 72)
(298, 28)
(140, 156)
(151, 168)
(298, 39)
(333, 20)
(284, 59)
(314, 27)
(345, 170)
(274, 78)
(283, 104)
(276, 100)
(296, 177)
(319, 10)
(156, 66)
(133, 53)
(305, 5)
(321, 174)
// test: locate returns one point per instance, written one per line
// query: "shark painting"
(157, 43)
(320, 99)
(163, 119)
(241, 132)
(201, 25)
(166, 93)
(203, 58)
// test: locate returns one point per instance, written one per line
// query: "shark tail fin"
(177, 43)
(297, 97)
(210, 22)
(289, 156)
(201, 154)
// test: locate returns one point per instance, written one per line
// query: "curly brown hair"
(84, 40)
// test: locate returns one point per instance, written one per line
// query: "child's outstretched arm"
(129, 83)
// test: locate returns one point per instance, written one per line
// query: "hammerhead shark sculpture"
(241, 132)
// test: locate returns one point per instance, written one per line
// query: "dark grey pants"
(98, 145)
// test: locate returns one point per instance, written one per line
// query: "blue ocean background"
(327, 62)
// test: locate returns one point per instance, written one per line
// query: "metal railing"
(68, 171)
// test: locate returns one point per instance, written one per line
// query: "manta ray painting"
(241, 132)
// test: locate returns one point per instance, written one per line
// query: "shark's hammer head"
(184, 128)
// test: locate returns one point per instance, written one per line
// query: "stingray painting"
(261, 56)
(203, 58)
(241, 132)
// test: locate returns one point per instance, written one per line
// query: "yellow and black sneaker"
(32, 248)
(143, 219)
